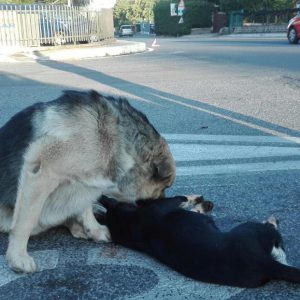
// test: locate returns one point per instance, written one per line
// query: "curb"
(17, 54)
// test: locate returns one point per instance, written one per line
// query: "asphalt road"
(229, 108)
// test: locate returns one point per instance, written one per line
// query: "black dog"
(248, 256)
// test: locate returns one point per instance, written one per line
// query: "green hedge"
(167, 25)
(198, 14)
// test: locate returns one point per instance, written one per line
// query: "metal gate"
(36, 25)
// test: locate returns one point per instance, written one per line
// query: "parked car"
(126, 30)
(293, 29)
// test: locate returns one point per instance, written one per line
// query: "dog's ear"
(163, 170)
(107, 202)
(272, 221)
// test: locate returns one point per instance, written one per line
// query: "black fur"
(15, 137)
(192, 244)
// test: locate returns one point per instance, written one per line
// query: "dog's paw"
(21, 263)
(100, 234)
(198, 204)
(77, 231)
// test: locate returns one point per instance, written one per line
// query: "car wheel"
(292, 36)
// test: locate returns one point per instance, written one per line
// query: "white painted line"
(238, 168)
(120, 256)
(232, 119)
(189, 152)
(230, 138)
(46, 260)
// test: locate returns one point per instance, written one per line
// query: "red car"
(293, 30)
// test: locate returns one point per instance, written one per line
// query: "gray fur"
(59, 157)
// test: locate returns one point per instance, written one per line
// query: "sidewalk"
(70, 52)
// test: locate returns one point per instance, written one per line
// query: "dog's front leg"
(95, 231)
(34, 188)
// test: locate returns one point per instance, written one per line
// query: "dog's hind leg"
(34, 188)
(6, 215)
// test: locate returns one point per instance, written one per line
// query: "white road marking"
(230, 138)
(232, 119)
(167, 277)
(188, 152)
(46, 260)
(185, 151)
(238, 168)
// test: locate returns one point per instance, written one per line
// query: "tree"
(133, 11)
(35, 2)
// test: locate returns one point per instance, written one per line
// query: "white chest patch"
(279, 255)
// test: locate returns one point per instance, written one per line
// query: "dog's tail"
(279, 271)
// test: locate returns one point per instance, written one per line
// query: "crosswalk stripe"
(184, 150)
(230, 138)
(189, 152)
(238, 168)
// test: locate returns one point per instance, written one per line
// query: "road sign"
(181, 8)
(173, 9)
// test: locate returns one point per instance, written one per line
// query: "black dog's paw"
(197, 203)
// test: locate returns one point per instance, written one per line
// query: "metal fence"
(38, 25)
(270, 16)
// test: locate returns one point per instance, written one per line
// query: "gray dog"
(57, 158)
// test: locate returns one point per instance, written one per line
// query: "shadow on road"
(160, 97)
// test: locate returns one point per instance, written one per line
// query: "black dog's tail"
(278, 271)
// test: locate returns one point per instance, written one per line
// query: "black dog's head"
(119, 213)
(123, 221)
(135, 225)
(113, 209)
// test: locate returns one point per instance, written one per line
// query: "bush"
(167, 25)
(198, 14)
